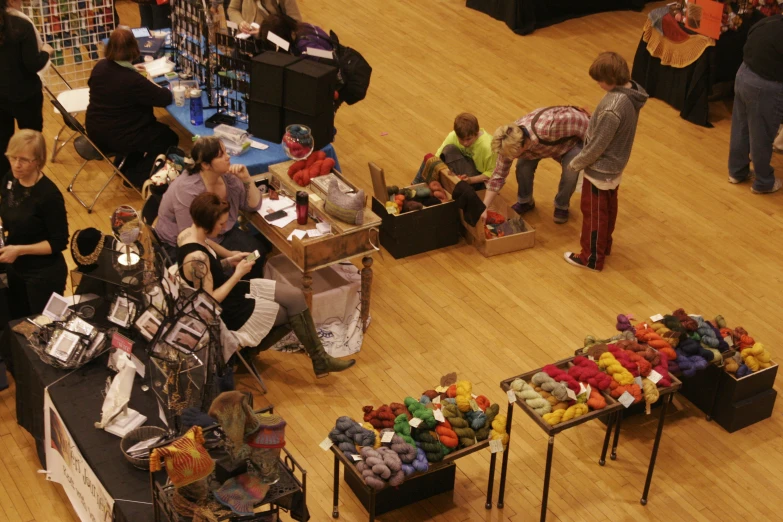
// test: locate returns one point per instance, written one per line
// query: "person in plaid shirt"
(551, 132)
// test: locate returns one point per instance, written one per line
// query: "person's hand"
(483, 219)
(254, 31)
(240, 171)
(236, 257)
(48, 49)
(9, 254)
(245, 27)
(243, 267)
(464, 177)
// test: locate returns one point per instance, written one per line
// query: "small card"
(140, 368)
(496, 446)
(326, 228)
(656, 318)
(326, 444)
(436, 400)
(355, 457)
(273, 38)
(313, 232)
(439, 389)
(439, 416)
(590, 358)
(474, 396)
(655, 376)
(638, 380)
(571, 394)
(320, 53)
(297, 233)
(121, 342)
(387, 437)
(512, 397)
(258, 145)
(415, 422)
(729, 341)
(232, 25)
(474, 405)
(582, 390)
(626, 399)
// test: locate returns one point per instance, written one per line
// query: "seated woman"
(209, 169)
(120, 115)
(250, 308)
(246, 12)
(33, 215)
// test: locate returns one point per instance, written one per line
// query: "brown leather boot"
(304, 327)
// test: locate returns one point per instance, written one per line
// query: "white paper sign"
(297, 233)
(638, 380)
(272, 37)
(473, 395)
(582, 389)
(387, 437)
(313, 232)
(512, 397)
(320, 53)
(326, 444)
(232, 25)
(355, 457)
(496, 446)
(655, 376)
(626, 399)
(439, 416)
(415, 422)
(729, 341)
(656, 318)
(323, 228)
(436, 400)
(571, 394)
(258, 145)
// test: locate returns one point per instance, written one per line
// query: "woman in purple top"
(210, 170)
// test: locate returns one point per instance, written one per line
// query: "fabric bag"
(354, 70)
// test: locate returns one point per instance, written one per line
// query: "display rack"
(75, 29)
(191, 26)
(613, 410)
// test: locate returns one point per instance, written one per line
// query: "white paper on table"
(269, 205)
(242, 36)
(290, 217)
(272, 37)
(313, 232)
(324, 228)
(319, 53)
(258, 145)
(297, 233)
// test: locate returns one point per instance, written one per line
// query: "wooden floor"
(685, 238)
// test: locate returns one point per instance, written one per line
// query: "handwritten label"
(439, 416)
(326, 444)
(656, 318)
(415, 422)
(387, 437)
(436, 400)
(496, 446)
(571, 394)
(512, 397)
(655, 376)
(626, 399)
(121, 342)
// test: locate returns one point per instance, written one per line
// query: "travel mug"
(302, 206)
(196, 108)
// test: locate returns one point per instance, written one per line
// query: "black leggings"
(291, 300)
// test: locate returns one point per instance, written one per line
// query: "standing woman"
(33, 214)
(21, 99)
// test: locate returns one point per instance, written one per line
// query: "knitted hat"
(86, 247)
(233, 412)
(271, 434)
(186, 459)
(241, 493)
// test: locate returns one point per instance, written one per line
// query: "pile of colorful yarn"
(748, 360)
(467, 420)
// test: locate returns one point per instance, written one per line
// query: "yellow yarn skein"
(560, 406)
(612, 366)
(499, 429)
(651, 394)
(556, 417)
(731, 365)
(577, 410)
(464, 388)
(377, 443)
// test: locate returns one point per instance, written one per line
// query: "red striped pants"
(599, 213)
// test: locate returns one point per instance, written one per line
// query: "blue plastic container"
(196, 108)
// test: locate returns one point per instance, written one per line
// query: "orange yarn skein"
(596, 400)
(447, 435)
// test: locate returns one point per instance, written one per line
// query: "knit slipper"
(573, 259)
(778, 184)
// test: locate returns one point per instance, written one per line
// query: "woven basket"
(136, 436)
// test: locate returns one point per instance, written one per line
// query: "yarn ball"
(483, 402)
(420, 463)
(623, 323)
(743, 370)
(448, 436)
(730, 365)
(532, 398)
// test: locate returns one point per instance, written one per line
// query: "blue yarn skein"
(421, 464)
(477, 419)
(690, 347)
(723, 346)
(743, 370)
(706, 332)
(425, 400)
(408, 469)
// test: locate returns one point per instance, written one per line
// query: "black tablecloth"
(688, 89)
(77, 395)
(525, 16)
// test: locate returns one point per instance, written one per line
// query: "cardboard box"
(414, 232)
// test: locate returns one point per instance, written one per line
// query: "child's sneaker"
(561, 215)
(573, 259)
(521, 208)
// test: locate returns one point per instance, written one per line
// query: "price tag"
(326, 444)
(439, 416)
(656, 318)
(355, 457)
(474, 405)
(320, 53)
(496, 446)
(441, 389)
(588, 391)
(582, 389)
(272, 37)
(645, 326)
(591, 358)
(626, 399)
(473, 395)
(121, 342)
(638, 380)
(729, 341)
(571, 394)
(655, 376)
(140, 368)
(512, 397)
(387, 437)
(415, 422)
(436, 400)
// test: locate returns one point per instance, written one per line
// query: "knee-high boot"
(304, 327)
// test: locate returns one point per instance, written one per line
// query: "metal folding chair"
(89, 152)
(75, 101)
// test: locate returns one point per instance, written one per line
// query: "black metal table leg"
(336, 494)
(657, 442)
(547, 474)
(609, 425)
(491, 481)
(504, 467)
(617, 425)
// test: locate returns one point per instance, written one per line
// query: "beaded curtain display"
(75, 29)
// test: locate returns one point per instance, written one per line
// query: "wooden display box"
(418, 487)
(735, 416)
(733, 390)
(414, 232)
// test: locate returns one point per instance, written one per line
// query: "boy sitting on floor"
(467, 151)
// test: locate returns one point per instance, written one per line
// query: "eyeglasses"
(19, 159)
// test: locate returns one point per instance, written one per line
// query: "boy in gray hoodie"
(605, 154)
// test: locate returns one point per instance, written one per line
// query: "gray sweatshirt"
(611, 132)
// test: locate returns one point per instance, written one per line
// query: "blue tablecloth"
(257, 161)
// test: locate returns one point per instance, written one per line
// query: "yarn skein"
(420, 411)
(651, 395)
(587, 371)
(447, 435)
(532, 398)
(403, 429)
(406, 452)
(611, 366)
(428, 441)
(466, 435)
(557, 389)
(463, 395)
(348, 434)
(498, 431)
(380, 467)
(560, 375)
(483, 432)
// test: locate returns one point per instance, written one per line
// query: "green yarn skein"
(403, 429)
(491, 413)
(420, 411)
(431, 445)
(466, 435)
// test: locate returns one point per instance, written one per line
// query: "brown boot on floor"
(323, 363)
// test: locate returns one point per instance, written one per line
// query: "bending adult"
(209, 169)
(246, 12)
(21, 98)
(758, 106)
(551, 132)
(249, 308)
(33, 215)
(120, 115)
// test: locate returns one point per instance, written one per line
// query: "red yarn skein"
(452, 391)
(561, 376)
(398, 409)
(633, 389)
(381, 418)
(587, 371)
(483, 402)
(623, 358)
(663, 369)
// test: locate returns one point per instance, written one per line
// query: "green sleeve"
(485, 159)
(451, 139)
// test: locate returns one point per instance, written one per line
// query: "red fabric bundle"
(587, 371)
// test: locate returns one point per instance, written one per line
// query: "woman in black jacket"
(33, 214)
(120, 115)
(21, 99)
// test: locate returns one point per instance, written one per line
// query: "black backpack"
(354, 70)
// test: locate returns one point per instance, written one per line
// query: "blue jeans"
(526, 173)
(757, 114)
